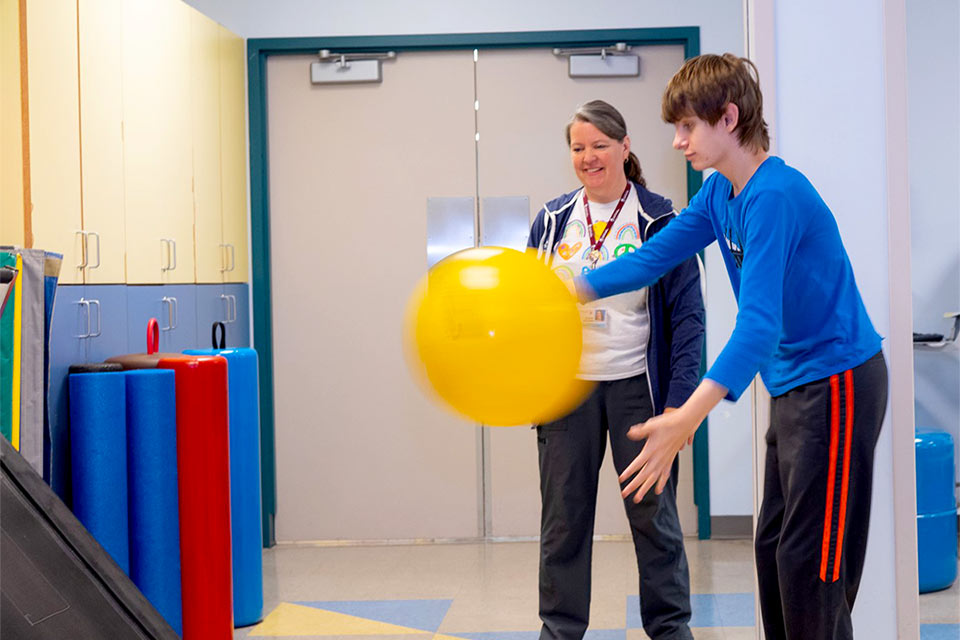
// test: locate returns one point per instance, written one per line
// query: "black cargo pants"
(571, 451)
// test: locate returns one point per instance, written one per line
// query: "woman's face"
(598, 160)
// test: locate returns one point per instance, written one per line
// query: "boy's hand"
(670, 410)
(666, 435)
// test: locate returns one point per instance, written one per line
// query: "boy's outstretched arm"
(666, 434)
(683, 237)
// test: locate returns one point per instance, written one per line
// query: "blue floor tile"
(592, 634)
(499, 635)
(939, 631)
(417, 614)
(708, 610)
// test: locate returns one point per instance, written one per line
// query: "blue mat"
(152, 479)
(98, 457)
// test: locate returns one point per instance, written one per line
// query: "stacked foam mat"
(24, 350)
(191, 463)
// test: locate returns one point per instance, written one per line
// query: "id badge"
(593, 317)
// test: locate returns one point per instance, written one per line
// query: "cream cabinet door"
(54, 112)
(233, 155)
(158, 153)
(11, 122)
(100, 24)
(205, 93)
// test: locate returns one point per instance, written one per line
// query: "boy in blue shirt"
(801, 324)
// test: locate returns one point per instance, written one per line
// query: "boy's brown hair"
(705, 85)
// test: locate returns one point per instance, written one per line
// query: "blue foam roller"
(245, 522)
(98, 459)
(152, 484)
(935, 471)
(937, 550)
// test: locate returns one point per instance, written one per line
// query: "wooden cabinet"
(233, 155)
(137, 141)
(54, 137)
(11, 126)
(219, 139)
(205, 81)
(157, 135)
(101, 139)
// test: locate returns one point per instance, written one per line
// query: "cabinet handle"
(176, 311)
(169, 302)
(170, 254)
(233, 303)
(226, 308)
(84, 303)
(233, 257)
(164, 254)
(97, 236)
(83, 248)
(99, 318)
(223, 258)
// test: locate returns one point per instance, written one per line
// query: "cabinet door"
(238, 329)
(53, 133)
(11, 127)
(101, 138)
(109, 319)
(212, 306)
(174, 307)
(205, 91)
(233, 153)
(68, 323)
(157, 128)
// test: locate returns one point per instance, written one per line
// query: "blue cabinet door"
(109, 333)
(211, 307)
(174, 307)
(68, 323)
(184, 333)
(238, 329)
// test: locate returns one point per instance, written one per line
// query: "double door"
(357, 175)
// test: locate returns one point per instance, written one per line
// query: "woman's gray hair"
(610, 123)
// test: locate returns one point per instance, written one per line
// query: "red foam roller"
(203, 469)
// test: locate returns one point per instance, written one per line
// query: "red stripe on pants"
(831, 472)
(848, 436)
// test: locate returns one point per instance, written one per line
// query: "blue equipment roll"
(152, 478)
(936, 510)
(244, 482)
(98, 459)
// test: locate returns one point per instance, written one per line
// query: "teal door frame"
(258, 50)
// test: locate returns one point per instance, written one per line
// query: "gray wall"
(721, 29)
(933, 64)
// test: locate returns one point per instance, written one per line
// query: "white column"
(835, 90)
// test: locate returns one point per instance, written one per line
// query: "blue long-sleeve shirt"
(801, 317)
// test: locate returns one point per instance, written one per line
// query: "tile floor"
(488, 591)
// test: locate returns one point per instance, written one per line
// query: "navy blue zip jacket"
(675, 303)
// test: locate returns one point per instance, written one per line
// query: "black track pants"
(812, 532)
(571, 451)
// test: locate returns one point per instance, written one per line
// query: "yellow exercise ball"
(497, 336)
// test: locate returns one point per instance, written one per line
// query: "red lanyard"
(595, 244)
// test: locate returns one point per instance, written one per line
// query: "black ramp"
(57, 582)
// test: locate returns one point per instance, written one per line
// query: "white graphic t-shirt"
(615, 329)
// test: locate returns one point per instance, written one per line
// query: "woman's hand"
(666, 435)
